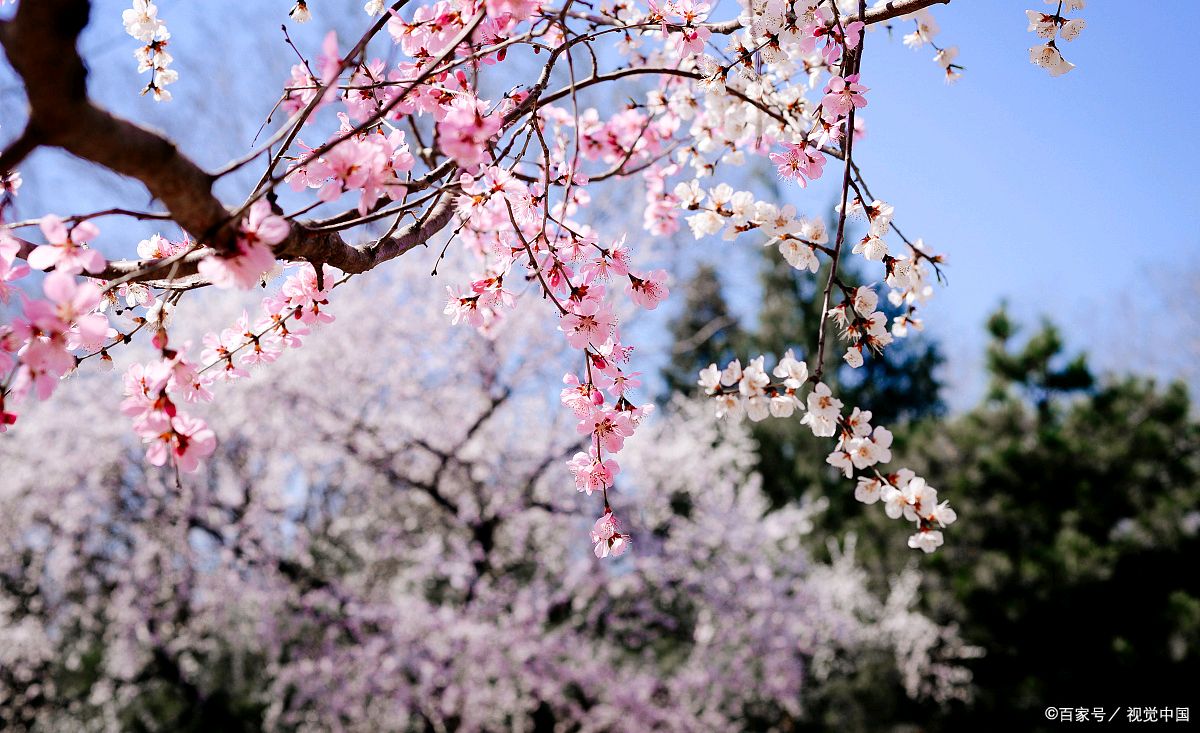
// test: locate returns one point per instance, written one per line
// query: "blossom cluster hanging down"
(1054, 26)
(142, 22)
(860, 448)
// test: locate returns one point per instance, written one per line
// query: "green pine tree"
(1079, 517)
(706, 332)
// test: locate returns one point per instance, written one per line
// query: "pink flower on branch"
(800, 162)
(609, 428)
(181, 439)
(592, 474)
(843, 95)
(65, 251)
(259, 231)
(466, 129)
(649, 289)
(607, 536)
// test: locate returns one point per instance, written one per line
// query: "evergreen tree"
(706, 332)
(1080, 514)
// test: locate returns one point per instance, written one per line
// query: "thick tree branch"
(331, 249)
(40, 43)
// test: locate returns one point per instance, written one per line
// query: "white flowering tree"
(345, 563)
(483, 125)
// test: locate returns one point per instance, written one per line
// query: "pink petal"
(59, 287)
(53, 229)
(44, 257)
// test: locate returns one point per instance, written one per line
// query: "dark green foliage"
(706, 332)
(1071, 562)
(1038, 370)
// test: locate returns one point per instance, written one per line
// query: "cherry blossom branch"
(880, 14)
(290, 129)
(851, 61)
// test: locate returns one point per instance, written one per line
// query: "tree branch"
(40, 43)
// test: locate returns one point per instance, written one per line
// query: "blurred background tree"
(356, 561)
(1082, 505)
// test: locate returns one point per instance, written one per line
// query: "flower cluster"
(39, 346)
(906, 274)
(142, 22)
(303, 87)
(904, 494)
(865, 327)
(152, 393)
(751, 389)
(373, 165)
(925, 30)
(154, 390)
(606, 534)
(1053, 26)
(860, 446)
(245, 268)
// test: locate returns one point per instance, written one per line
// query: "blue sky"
(1062, 196)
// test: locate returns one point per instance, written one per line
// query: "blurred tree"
(1081, 509)
(349, 563)
(1038, 370)
(706, 332)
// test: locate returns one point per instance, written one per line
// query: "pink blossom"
(466, 129)
(260, 229)
(141, 391)
(606, 534)
(9, 273)
(579, 397)
(618, 383)
(648, 290)
(158, 247)
(219, 348)
(181, 439)
(300, 291)
(801, 163)
(854, 34)
(43, 362)
(516, 9)
(611, 261)
(74, 304)
(591, 322)
(592, 474)
(9, 246)
(842, 95)
(350, 165)
(466, 308)
(65, 251)
(692, 40)
(610, 428)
